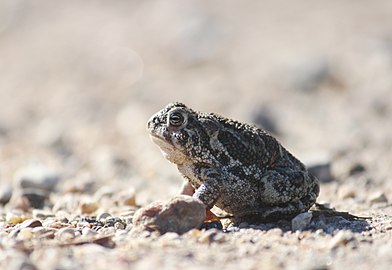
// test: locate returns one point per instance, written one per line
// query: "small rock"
(119, 226)
(301, 221)
(342, 238)
(127, 216)
(36, 197)
(356, 169)
(346, 191)
(88, 232)
(319, 165)
(210, 236)
(127, 197)
(168, 239)
(31, 223)
(103, 216)
(107, 231)
(180, 214)
(37, 177)
(5, 194)
(42, 214)
(264, 118)
(308, 74)
(25, 234)
(378, 197)
(104, 192)
(88, 207)
(14, 218)
(66, 233)
(44, 232)
(275, 232)
(243, 225)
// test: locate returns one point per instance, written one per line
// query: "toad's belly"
(238, 197)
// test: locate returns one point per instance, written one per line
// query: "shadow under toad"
(323, 218)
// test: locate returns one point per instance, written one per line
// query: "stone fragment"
(5, 194)
(88, 207)
(319, 165)
(42, 214)
(30, 223)
(179, 214)
(66, 234)
(342, 238)
(346, 191)
(44, 232)
(88, 232)
(301, 221)
(14, 218)
(37, 177)
(357, 168)
(102, 216)
(378, 197)
(264, 118)
(25, 234)
(127, 197)
(308, 74)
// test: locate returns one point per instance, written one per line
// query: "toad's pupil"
(176, 119)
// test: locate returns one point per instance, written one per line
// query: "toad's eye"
(176, 119)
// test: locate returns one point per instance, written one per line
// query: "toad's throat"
(169, 151)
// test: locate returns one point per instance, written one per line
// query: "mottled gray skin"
(235, 166)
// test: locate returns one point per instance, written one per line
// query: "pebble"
(104, 192)
(103, 216)
(37, 176)
(126, 197)
(30, 223)
(378, 197)
(342, 238)
(88, 207)
(14, 218)
(25, 234)
(243, 225)
(107, 231)
(127, 216)
(5, 194)
(212, 235)
(301, 221)
(275, 232)
(168, 239)
(308, 73)
(319, 165)
(179, 214)
(44, 232)
(35, 197)
(66, 234)
(42, 214)
(264, 118)
(346, 191)
(357, 168)
(88, 232)
(119, 226)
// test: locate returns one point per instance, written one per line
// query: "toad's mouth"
(168, 149)
(160, 141)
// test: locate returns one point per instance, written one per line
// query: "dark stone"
(322, 171)
(357, 168)
(264, 119)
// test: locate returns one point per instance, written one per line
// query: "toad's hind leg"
(280, 186)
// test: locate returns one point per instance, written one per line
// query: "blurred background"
(79, 80)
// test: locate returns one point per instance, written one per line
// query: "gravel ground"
(79, 80)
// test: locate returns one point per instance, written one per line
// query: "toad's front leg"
(208, 192)
(210, 189)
